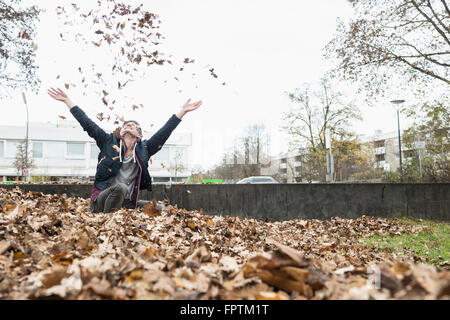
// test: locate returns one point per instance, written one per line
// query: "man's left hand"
(188, 107)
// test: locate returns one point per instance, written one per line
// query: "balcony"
(297, 164)
(283, 165)
(379, 150)
(379, 164)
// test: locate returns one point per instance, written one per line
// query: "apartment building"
(64, 151)
(385, 150)
(286, 167)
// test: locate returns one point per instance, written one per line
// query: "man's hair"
(137, 124)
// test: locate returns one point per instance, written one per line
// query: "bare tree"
(317, 112)
(177, 164)
(21, 162)
(410, 38)
(256, 143)
(249, 153)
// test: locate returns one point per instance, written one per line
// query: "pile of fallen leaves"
(52, 246)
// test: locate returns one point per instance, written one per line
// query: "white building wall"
(85, 165)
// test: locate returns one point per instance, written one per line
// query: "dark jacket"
(108, 160)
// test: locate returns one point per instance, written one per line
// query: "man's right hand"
(59, 95)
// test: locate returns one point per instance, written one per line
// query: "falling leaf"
(62, 117)
(212, 73)
(100, 116)
(66, 85)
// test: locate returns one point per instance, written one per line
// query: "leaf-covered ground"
(52, 246)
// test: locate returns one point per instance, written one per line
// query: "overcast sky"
(260, 48)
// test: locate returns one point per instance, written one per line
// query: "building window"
(75, 149)
(54, 150)
(1, 148)
(94, 151)
(160, 179)
(37, 149)
(379, 157)
(11, 149)
(379, 144)
(162, 154)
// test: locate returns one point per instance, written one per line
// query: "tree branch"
(431, 21)
(446, 7)
(425, 56)
(436, 16)
(427, 72)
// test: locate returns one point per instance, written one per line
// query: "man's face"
(132, 128)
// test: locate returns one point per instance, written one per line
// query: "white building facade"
(64, 151)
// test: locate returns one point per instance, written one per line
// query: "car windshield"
(261, 179)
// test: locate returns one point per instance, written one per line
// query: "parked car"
(257, 179)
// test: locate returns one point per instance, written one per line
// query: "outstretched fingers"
(57, 94)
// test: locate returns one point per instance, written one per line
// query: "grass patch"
(425, 241)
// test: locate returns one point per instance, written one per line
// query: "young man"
(122, 169)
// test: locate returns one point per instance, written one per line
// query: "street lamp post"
(399, 138)
(26, 145)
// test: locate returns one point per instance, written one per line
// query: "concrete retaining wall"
(293, 201)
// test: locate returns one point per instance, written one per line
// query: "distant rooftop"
(378, 135)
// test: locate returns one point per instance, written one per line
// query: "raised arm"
(155, 143)
(93, 130)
